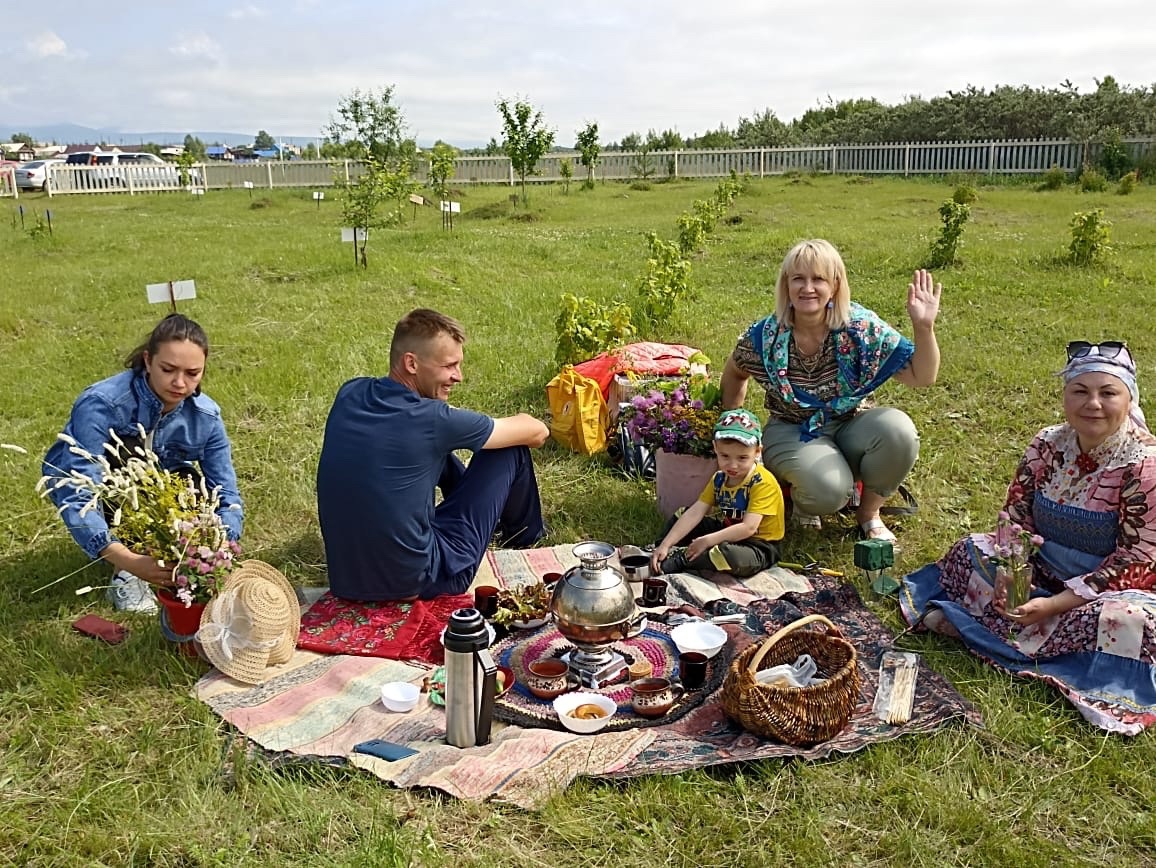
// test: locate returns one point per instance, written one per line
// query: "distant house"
(172, 152)
(25, 153)
(219, 152)
(277, 152)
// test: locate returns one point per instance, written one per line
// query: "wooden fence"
(908, 158)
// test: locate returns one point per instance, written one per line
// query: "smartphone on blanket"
(382, 749)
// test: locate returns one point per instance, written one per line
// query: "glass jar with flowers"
(168, 515)
(675, 419)
(1014, 548)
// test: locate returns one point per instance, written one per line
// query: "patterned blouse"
(863, 356)
(816, 374)
(1095, 510)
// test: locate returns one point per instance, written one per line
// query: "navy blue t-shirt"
(384, 451)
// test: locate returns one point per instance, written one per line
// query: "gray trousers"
(878, 446)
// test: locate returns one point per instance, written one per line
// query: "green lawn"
(107, 760)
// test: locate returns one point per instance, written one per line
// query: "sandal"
(874, 528)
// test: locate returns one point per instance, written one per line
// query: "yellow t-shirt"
(759, 493)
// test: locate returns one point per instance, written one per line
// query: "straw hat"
(251, 623)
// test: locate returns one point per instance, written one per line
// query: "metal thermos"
(471, 680)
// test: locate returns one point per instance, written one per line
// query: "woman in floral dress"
(1088, 489)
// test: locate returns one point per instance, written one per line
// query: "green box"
(874, 554)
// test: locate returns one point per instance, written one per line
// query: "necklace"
(809, 363)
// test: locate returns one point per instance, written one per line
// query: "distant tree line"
(971, 114)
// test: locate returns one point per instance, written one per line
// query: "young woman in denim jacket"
(160, 393)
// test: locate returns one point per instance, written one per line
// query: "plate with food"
(524, 607)
(436, 683)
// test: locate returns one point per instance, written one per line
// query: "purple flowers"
(677, 417)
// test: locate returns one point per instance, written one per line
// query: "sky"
(245, 65)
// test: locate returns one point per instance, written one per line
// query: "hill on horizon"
(75, 134)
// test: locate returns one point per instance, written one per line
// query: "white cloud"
(247, 11)
(47, 44)
(197, 45)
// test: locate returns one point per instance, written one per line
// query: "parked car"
(139, 170)
(34, 175)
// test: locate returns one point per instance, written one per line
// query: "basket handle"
(753, 667)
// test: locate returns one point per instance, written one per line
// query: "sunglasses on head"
(1106, 349)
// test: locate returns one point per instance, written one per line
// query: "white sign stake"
(449, 209)
(347, 235)
(172, 292)
(318, 195)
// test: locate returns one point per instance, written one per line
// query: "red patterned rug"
(397, 631)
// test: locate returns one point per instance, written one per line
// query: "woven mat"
(518, 705)
(314, 708)
(399, 631)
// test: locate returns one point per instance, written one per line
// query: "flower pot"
(179, 623)
(680, 479)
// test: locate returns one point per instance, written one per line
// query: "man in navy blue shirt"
(389, 442)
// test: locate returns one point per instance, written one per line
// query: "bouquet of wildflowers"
(677, 416)
(1014, 548)
(156, 512)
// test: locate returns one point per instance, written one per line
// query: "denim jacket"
(192, 432)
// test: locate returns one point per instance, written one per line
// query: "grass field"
(106, 760)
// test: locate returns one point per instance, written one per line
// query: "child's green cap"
(740, 425)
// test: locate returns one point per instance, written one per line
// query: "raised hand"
(923, 299)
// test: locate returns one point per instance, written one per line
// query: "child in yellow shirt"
(737, 521)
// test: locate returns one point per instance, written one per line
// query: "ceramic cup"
(653, 592)
(548, 678)
(550, 580)
(636, 567)
(486, 600)
(692, 669)
(653, 697)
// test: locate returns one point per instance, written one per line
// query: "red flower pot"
(182, 621)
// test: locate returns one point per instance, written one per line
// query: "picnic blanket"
(399, 631)
(315, 708)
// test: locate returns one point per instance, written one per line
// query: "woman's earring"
(831, 304)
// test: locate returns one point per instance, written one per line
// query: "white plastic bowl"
(699, 636)
(400, 695)
(567, 702)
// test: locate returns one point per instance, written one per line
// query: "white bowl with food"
(699, 636)
(583, 712)
(400, 696)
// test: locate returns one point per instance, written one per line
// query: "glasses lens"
(1104, 349)
(1078, 348)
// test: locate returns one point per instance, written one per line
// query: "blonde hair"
(815, 257)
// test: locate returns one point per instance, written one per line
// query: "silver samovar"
(593, 607)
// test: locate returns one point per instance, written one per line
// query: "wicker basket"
(794, 715)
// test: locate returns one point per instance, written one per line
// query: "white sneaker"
(809, 522)
(127, 593)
